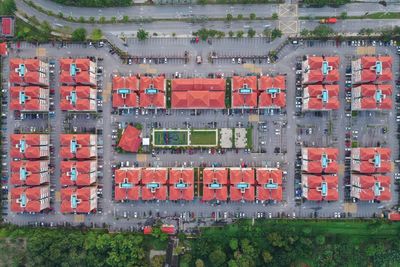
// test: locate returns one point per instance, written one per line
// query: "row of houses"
(320, 174)
(371, 77)
(368, 181)
(199, 93)
(237, 184)
(320, 74)
(30, 172)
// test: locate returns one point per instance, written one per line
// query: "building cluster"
(132, 92)
(237, 184)
(78, 81)
(265, 92)
(371, 78)
(199, 93)
(320, 174)
(29, 82)
(78, 173)
(320, 78)
(30, 172)
(370, 180)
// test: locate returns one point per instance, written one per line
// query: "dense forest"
(95, 3)
(242, 244)
(296, 243)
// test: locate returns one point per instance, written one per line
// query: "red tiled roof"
(370, 61)
(394, 216)
(130, 140)
(32, 74)
(168, 229)
(155, 98)
(158, 177)
(198, 93)
(36, 199)
(34, 172)
(239, 99)
(86, 199)
(86, 173)
(242, 176)
(130, 82)
(218, 175)
(268, 82)
(3, 49)
(85, 98)
(178, 177)
(314, 191)
(129, 176)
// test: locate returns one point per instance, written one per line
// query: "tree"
(125, 18)
(274, 16)
(79, 35)
(267, 257)
(267, 32)
(320, 240)
(240, 17)
(185, 260)
(343, 15)
(7, 7)
(239, 34)
(253, 16)
(231, 34)
(157, 261)
(113, 19)
(233, 244)
(251, 33)
(92, 19)
(142, 35)
(96, 35)
(276, 33)
(60, 14)
(305, 32)
(366, 31)
(323, 31)
(81, 19)
(217, 257)
(199, 263)
(102, 19)
(229, 17)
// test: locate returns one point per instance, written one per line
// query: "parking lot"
(276, 136)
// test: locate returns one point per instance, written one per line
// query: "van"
(198, 60)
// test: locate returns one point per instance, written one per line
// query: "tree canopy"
(79, 35)
(95, 3)
(7, 7)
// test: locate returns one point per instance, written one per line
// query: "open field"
(170, 138)
(204, 137)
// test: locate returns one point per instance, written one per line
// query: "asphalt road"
(212, 11)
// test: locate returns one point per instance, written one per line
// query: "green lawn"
(249, 136)
(204, 137)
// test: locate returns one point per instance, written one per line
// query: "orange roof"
(215, 182)
(181, 184)
(198, 84)
(244, 92)
(394, 216)
(130, 82)
(198, 100)
(3, 49)
(268, 82)
(154, 183)
(130, 140)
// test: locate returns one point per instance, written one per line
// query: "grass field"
(204, 138)
(170, 138)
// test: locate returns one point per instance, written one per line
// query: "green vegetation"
(251, 33)
(95, 3)
(321, 31)
(25, 31)
(383, 15)
(321, 3)
(203, 137)
(366, 31)
(142, 35)
(276, 33)
(249, 137)
(204, 33)
(65, 247)
(7, 7)
(252, 16)
(298, 243)
(79, 35)
(96, 35)
(229, 17)
(275, 16)
(390, 33)
(239, 34)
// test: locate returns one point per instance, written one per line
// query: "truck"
(328, 21)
